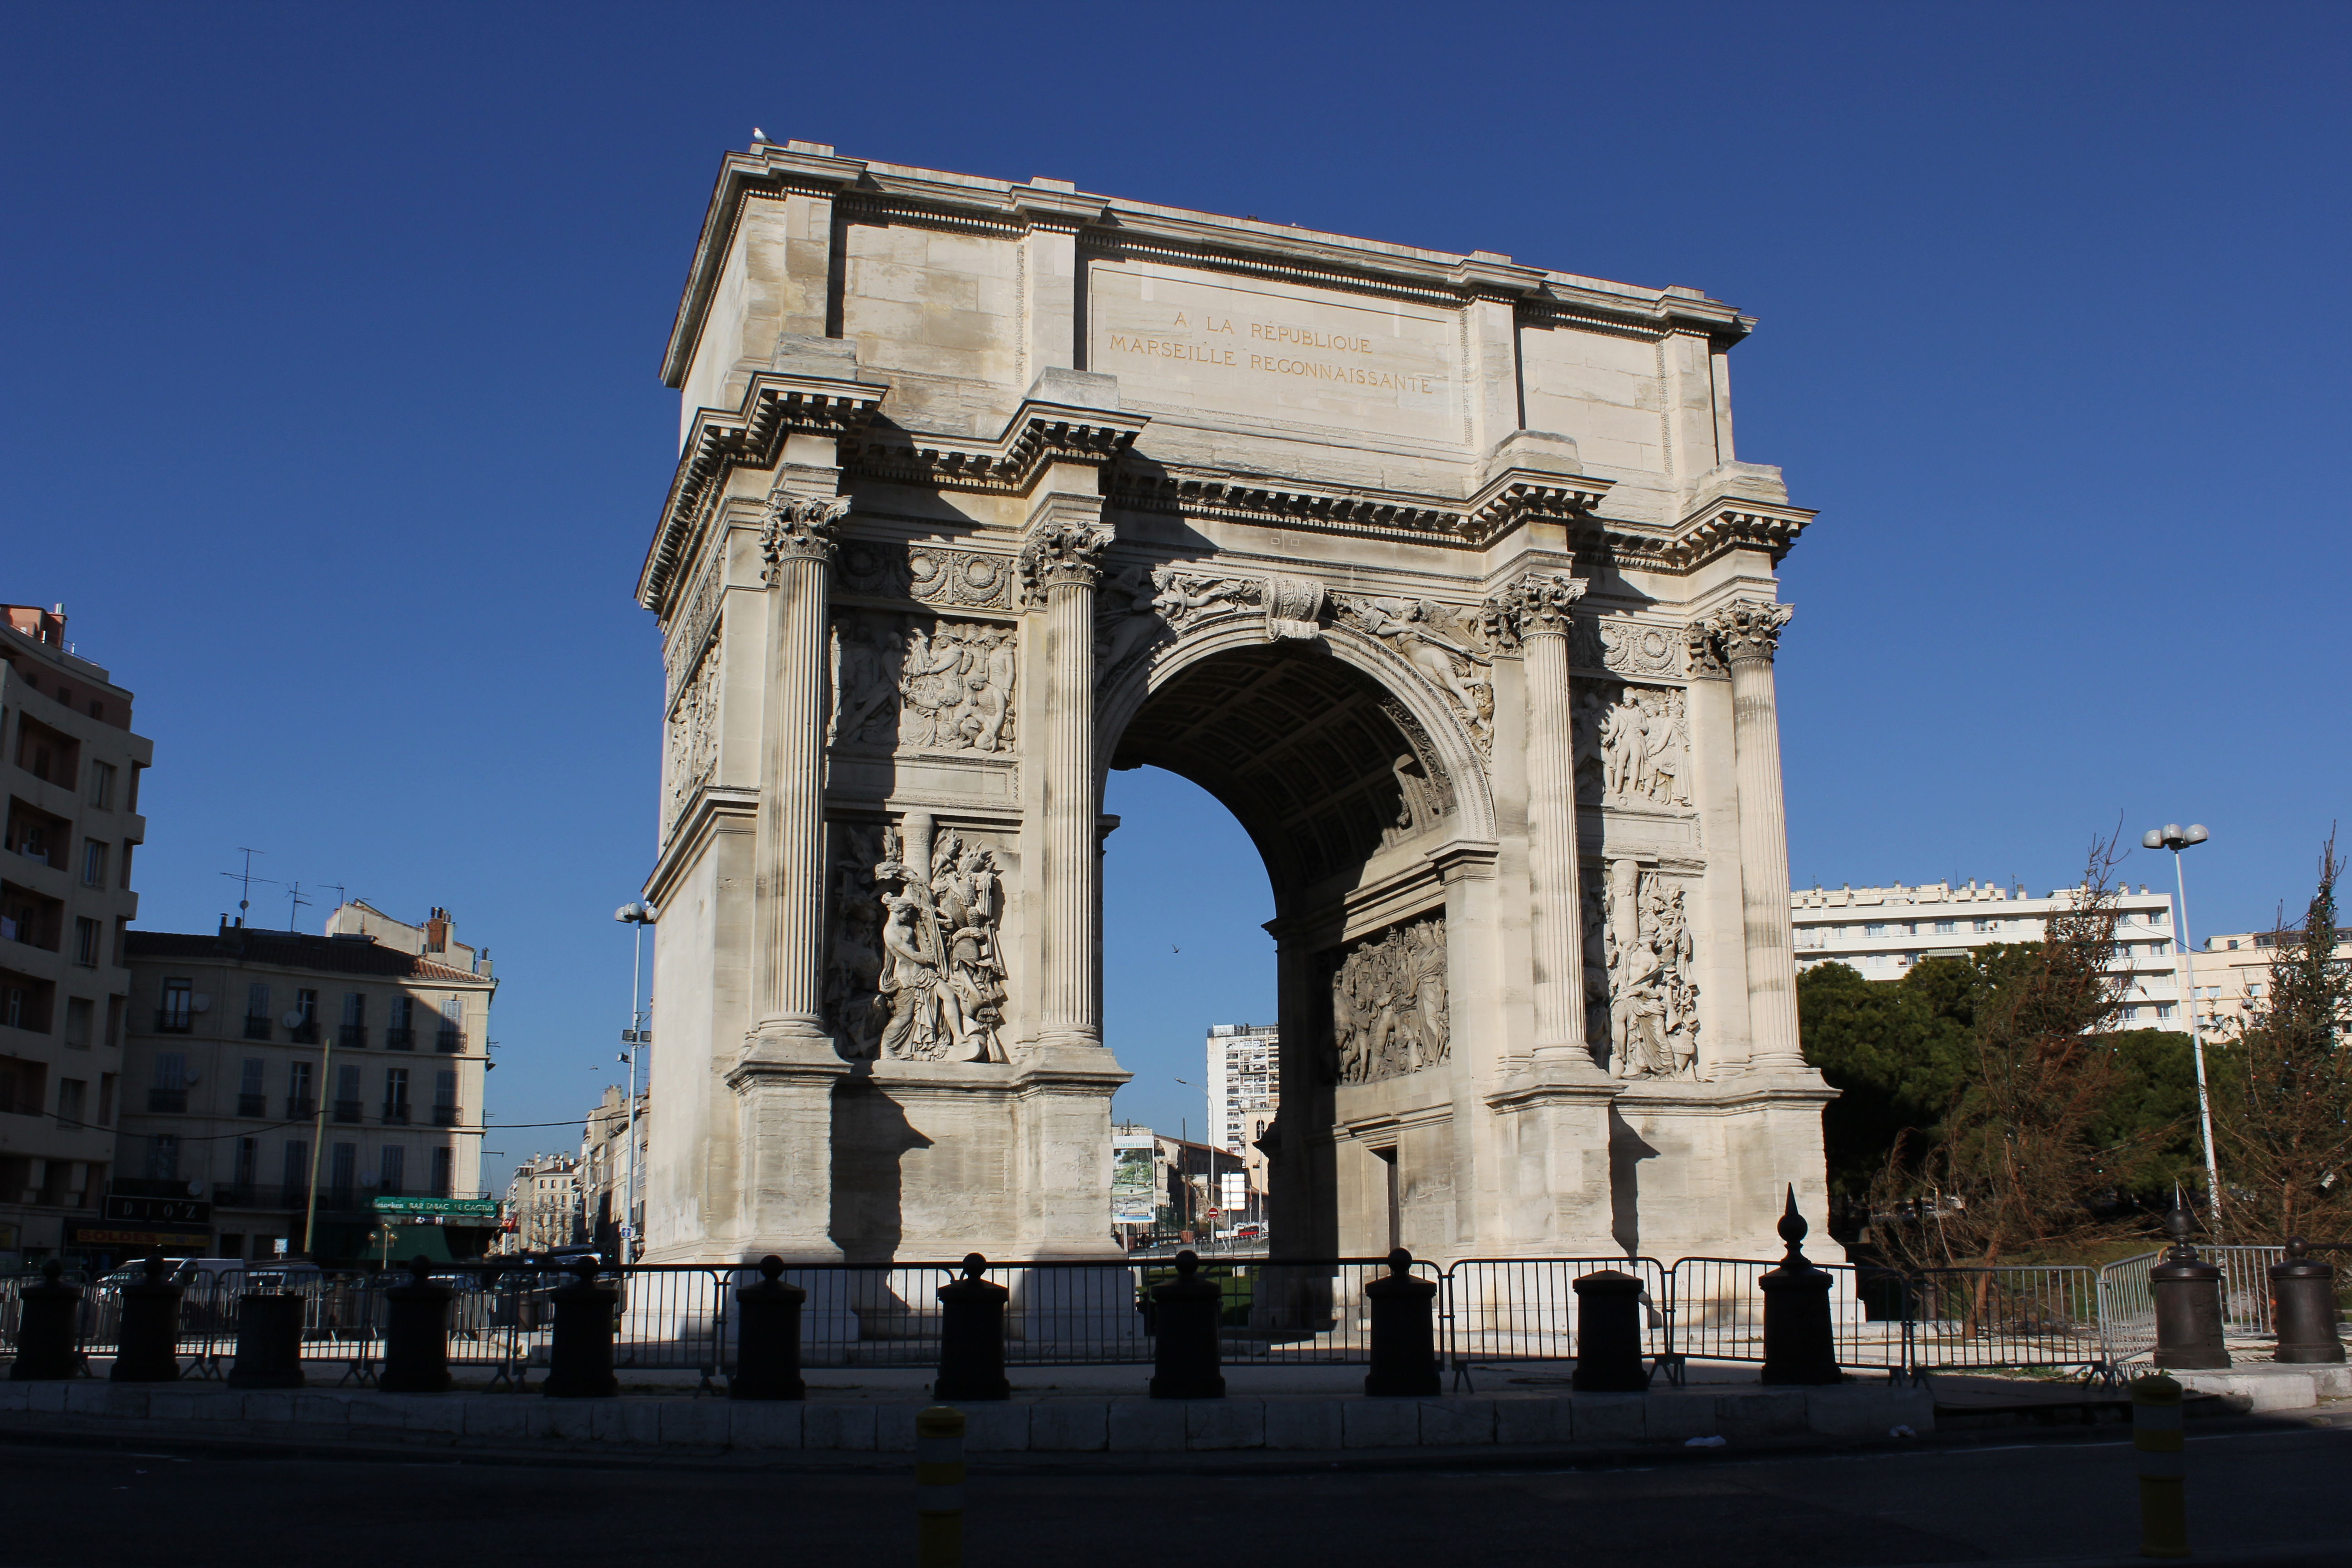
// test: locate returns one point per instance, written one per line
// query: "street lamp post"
(638, 916)
(2175, 837)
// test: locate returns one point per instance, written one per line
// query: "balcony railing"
(448, 1116)
(253, 1105)
(351, 1037)
(396, 1113)
(167, 1101)
(400, 1039)
(301, 1105)
(305, 1033)
(347, 1110)
(256, 1028)
(451, 1042)
(173, 1021)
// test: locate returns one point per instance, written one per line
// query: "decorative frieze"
(928, 574)
(690, 739)
(1389, 1014)
(915, 970)
(1439, 643)
(1632, 745)
(922, 683)
(1653, 975)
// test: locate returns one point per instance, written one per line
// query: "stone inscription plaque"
(1276, 352)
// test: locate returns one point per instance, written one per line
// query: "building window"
(167, 1093)
(2163, 1011)
(353, 1034)
(106, 1099)
(177, 1016)
(342, 1174)
(305, 1018)
(87, 937)
(163, 1157)
(347, 1095)
(1948, 928)
(442, 1162)
(1876, 928)
(252, 1097)
(294, 1172)
(400, 1032)
(73, 1094)
(300, 1098)
(248, 1154)
(2159, 916)
(102, 785)
(256, 1011)
(93, 864)
(445, 1099)
(395, 1096)
(391, 1170)
(1988, 925)
(451, 1037)
(81, 1018)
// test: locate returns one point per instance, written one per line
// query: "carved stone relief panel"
(1646, 942)
(1633, 744)
(694, 629)
(919, 682)
(1425, 791)
(1625, 646)
(1446, 645)
(1389, 1014)
(1139, 610)
(929, 573)
(915, 963)
(690, 738)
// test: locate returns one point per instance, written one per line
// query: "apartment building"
(543, 1207)
(69, 770)
(1883, 931)
(2233, 975)
(607, 1214)
(262, 1064)
(1244, 1070)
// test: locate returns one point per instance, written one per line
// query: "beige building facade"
(258, 1061)
(69, 771)
(1440, 571)
(544, 1207)
(2233, 977)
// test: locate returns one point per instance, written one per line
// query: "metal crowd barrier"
(2038, 1316)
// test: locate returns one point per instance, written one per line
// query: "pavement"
(2262, 1490)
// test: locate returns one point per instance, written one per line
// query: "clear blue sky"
(329, 406)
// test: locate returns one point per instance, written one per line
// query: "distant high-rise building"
(1244, 1075)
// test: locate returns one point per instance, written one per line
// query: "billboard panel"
(1134, 1179)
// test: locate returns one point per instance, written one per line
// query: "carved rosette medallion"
(1389, 1014)
(1063, 553)
(794, 531)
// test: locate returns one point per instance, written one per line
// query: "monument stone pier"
(1439, 570)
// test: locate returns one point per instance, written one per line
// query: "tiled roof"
(291, 950)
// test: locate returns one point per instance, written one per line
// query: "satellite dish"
(201, 1002)
(196, 1189)
(190, 1075)
(293, 1020)
(367, 1178)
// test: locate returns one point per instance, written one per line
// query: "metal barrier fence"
(1278, 1311)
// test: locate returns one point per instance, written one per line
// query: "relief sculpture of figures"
(693, 739)
(1387, 1005)
(916, 971)
(939, 687)
(1652, 992)
(1436, 642)
(1635, 748)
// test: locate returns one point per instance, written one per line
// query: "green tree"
(1896, 1052)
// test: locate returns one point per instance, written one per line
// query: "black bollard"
(1404, 1338)
(1189, 1312)
(1798, 1345)
(416, 1334)
(269, 1340)
(971, 1336)
(768, 1337)
(47, 1345)
(1608, 1334)
(2188, 1292)
(580, 1355)
(2303, 1298)
(148, 1347)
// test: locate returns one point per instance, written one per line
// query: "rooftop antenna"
(294, 902)
(245, 880)
(342, 894)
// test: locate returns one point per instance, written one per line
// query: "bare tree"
(2283, 1112)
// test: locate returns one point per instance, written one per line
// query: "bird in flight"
(1174, 948)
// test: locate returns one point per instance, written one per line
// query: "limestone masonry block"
(1448, 1422)
(276, 1407)
(49, 1397)
(1613, 1417)
(493, 1417)
(1313, 1425)
(845, 1426)
(1224, 1423)
(1147, 1427)
(995, 1428)
(694, 1422)
(894, 1428)
(1069, 1425)
(380, 1409)
(442, 1412)
(1538, 1420)
(566, 1420)
(165, 1405)
(1777, 1412)
(760, 1424)
(1380, 1423)
(1867, 1410)
(15, 1395)
(627, 1421)
(322, 1410)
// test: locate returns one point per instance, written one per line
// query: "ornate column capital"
(1535, 604)
(1063, 551)
(1740, 633)
(798, 530)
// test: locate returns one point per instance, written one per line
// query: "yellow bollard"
(2163, 1472)
(938, 1488)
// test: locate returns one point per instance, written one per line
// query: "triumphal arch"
(1439, 570)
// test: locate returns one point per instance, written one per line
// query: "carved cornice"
(1745, 631)
(1535, 604)
(752, 436)
(1511, 500)
(1062, 552)
(1703, 535)
(1037, 435)
(794, 531)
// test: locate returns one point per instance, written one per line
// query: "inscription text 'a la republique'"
(1274, 337)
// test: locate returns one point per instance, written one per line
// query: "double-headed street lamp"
(2175, 837)
(639, 916)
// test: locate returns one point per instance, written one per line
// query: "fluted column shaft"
(1062, 562)
(1552, 849)
(1748, 636)
(790, 845)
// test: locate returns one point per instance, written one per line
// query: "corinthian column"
(1061, 564)
(1541, 606)
(797, 538)
(1744, 637)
